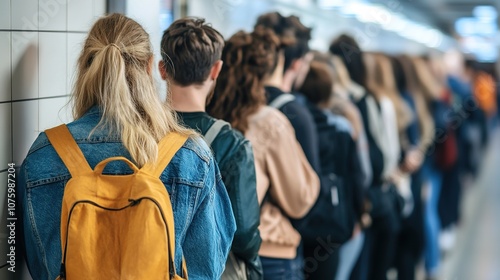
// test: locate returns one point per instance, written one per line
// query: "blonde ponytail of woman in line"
(115, 73)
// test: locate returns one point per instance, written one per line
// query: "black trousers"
(379, 248)
(320, 260)
(411, 238)
(450, 198)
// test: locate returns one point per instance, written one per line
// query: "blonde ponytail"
(114, 73)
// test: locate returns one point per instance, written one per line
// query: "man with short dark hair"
(297, 58)
(279, 90)
(191, 62)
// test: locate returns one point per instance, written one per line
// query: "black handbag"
(387, 207)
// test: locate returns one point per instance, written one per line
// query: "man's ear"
(214, 72)
(296, 65)
(163, 72)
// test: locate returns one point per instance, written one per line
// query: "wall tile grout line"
(34, 99)
(44, 31)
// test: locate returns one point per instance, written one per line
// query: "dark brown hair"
(248, 59)
(292, 33)
(189, 48)
(317, 86)
(351, 54)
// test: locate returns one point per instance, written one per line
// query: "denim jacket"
(204, 222)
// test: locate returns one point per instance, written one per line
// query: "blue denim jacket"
(204, 222)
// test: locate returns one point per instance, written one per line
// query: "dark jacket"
(303, 124)
(339, 155)
(234, 156)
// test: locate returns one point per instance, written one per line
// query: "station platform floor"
(476, 251)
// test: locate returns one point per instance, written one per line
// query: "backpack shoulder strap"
(281, 100)
(167, 147)
(214, 130)
(66, 147)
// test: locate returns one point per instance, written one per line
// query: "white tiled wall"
(6, 139)
(24, 127)
(5, 14)
(74, 46)
(24, 14)
(52, 64)
(5, 77)
(24, 65)
(39, 44)
(80, 15)
(53, 112)
(52, 15)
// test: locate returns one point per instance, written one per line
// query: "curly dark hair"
(248, 59)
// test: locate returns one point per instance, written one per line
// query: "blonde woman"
(378, 117)
(118, 112)
(429, 90)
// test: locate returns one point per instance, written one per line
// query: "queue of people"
(298, 165)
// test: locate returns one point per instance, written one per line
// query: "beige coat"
(283, 170)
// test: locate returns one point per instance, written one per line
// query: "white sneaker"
(447, 239)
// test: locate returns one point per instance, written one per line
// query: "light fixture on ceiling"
(485, 13)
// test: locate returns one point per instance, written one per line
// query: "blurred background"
(41, 39)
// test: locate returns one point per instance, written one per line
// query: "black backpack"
(331, 216)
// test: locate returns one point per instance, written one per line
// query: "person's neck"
(324, 105)
(275, 80)
(288, 79)
(189, 98)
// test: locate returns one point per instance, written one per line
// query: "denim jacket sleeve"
(31, 247)
(208, 239)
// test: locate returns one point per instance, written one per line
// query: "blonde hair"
(424, 88)
(114, 73)
(342, 77)
(381, 81)
(430, 84)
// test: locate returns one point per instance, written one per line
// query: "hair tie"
(114, 45)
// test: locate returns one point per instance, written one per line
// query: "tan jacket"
(283, 169)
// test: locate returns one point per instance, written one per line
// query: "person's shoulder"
(195, 145)
(230, 146)
(191, 164)
(230, 136)
(339, 123)
(297, 105)
(41, 142)
(269, 115)
(277, 123)
(297, 111)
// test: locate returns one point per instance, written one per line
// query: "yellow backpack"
(116, 226)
